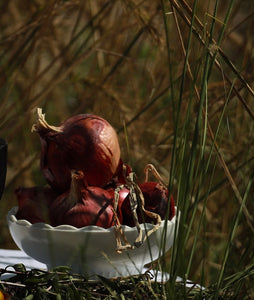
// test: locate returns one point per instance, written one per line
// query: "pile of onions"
(88, 183)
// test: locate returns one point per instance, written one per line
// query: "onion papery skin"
(84, 142)
(33, 203)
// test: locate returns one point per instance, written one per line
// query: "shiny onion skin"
(156, 200)
(82, 205)
(84, 142)
(33, 203)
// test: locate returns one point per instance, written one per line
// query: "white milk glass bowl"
(90, 250)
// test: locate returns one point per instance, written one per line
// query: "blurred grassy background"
(126, 61)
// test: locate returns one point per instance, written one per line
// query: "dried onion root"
(134, 195)
(151, 168)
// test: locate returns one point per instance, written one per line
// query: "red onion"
(84, 142)
(156, 201)
(33, 203)
(83, 205)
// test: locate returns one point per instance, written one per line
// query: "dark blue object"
(3, 164)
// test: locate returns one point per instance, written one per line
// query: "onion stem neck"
(42, 124)
(75, 194)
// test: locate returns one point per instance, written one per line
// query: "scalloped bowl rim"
(91, 228)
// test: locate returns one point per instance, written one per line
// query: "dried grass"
(115, 59)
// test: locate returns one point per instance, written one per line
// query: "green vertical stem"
(232, 235)
(177, 251)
